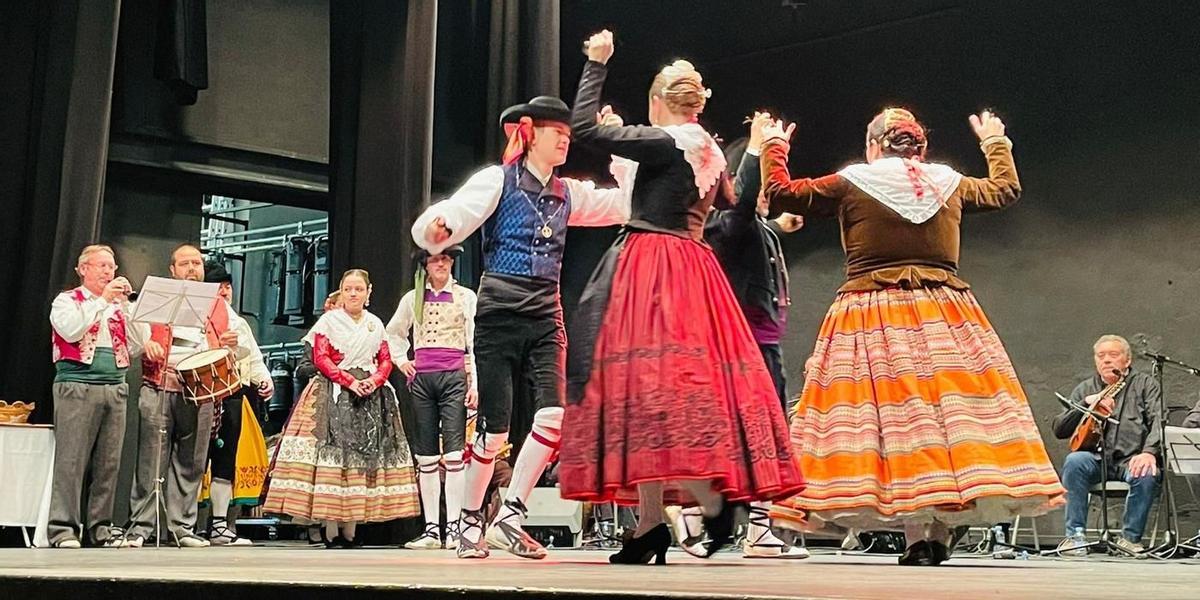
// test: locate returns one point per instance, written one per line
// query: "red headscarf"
(520, 134)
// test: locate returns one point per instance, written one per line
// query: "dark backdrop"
(1099, 98)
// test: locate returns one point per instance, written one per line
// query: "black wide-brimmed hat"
(542, 108)
(216, 273)
(421, 255)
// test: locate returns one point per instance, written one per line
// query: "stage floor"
(277, 570)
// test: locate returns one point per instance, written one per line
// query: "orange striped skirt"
(311, 480)
(912, 412)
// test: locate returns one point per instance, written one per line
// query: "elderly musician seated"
(1133, 448)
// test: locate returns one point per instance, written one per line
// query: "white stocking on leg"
(758, 532)
(429, 479)
(535, 454)
(761, 542)
(933, 530)
(455, 482)
(221, 495)
(221, 533)
(710, 500)
(480, 467)
(539, 447)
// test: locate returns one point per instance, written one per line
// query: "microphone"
(132, 295)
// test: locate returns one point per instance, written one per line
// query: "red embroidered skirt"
(677, 389)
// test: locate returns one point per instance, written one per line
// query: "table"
(26, 478)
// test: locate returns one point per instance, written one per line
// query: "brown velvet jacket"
(883, 249)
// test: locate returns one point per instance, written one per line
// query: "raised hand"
(606, 116)
(436, 232)
(757, 123)
(775, 129)
(599, 47)
(115, 289)
(986, 125)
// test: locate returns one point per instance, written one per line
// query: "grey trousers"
(89, 428)
(183, 452)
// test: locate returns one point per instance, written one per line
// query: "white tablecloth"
(26, 477)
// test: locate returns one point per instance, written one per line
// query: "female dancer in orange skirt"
(911, 412)
(668, 395)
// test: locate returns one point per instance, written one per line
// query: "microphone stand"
(1102, 421)
(1171, 543)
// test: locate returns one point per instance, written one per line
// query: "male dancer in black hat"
(440, 314)
(523, 209)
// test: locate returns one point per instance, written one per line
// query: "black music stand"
(1171, 543)
(180, 303)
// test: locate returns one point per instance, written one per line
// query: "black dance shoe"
(719, 528)
(639, 550)
(925, 553)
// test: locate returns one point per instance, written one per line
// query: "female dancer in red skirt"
(911, 413)
(668, 396)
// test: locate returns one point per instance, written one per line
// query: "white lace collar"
(358, 342)
(887, 180)
(701, 152)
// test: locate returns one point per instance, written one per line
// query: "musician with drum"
(185, 371)
(1133, 448)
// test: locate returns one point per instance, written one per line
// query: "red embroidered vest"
(84, 350)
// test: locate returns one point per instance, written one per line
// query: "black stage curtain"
(58, 62)
(380, 141)
(522, 59)
(181, 52)
(381, 137)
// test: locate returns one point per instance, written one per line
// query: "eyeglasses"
(103, 266)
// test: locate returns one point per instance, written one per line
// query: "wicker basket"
(17, 412)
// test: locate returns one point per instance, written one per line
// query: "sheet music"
(178, 302)
(1183, 450)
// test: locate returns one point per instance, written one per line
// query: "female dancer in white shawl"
(343, 458)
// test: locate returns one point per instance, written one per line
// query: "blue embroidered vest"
(513, 237)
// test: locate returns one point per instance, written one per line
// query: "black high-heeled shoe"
(341, 543)
(639, 550)
(719, 528)
(926, 553)
(940, 552)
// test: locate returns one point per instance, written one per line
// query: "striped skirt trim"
(911, 411)
(308, 481)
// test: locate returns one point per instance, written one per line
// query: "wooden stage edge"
(295, 572)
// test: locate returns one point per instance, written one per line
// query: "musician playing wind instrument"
(1133, 448)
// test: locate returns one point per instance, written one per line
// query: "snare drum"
(209, 376)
